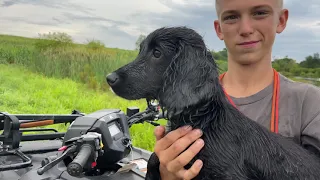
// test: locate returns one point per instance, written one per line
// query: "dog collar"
(274, 122)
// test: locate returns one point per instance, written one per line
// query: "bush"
(54, 40)
(95, 45)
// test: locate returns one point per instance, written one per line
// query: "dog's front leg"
(153, 172)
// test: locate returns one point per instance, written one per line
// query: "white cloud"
(121, 9)
(119, 23)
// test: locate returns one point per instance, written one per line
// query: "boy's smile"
(248, 44)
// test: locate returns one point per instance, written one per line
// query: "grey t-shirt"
(299, 110)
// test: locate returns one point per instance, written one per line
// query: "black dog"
(175, 67)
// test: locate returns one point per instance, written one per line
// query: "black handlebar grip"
(75, 168)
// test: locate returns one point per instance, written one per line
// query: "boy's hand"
(168, 148)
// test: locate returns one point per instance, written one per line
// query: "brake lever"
(49, 165)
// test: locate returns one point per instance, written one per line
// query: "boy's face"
(249, 27)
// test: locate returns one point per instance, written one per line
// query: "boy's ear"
(218, 29)
(283, 18)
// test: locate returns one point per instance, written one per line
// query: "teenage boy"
(248, 29)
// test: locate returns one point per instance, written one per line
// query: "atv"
(96, 146)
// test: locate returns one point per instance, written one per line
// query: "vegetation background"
(52, 74)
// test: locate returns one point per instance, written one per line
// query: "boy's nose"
(246, 27)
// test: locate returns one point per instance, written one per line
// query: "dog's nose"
(112, 78)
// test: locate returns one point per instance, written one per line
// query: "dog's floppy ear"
(190, 79)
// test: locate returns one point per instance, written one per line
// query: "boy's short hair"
(217, 2)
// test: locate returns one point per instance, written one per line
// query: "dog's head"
(173, 66)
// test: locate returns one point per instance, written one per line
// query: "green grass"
(23, 91)
(88, 64)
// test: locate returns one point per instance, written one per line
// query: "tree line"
(308, 68)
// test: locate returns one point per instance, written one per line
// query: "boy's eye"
(231, 17)
(260, 13)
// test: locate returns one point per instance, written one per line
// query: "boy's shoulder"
(302, 90)
(306, 99)
(308, 95)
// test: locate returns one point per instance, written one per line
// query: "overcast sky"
(118, 23)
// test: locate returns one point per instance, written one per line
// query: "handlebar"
(75, 168)
(149, 115)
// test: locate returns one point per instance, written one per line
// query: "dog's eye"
(156, 53)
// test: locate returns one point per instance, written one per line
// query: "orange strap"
(274, 122)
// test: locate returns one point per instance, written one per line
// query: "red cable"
(277, 103)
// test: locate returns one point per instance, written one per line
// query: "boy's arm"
(310, 123)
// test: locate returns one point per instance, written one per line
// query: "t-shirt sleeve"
(310, 124)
